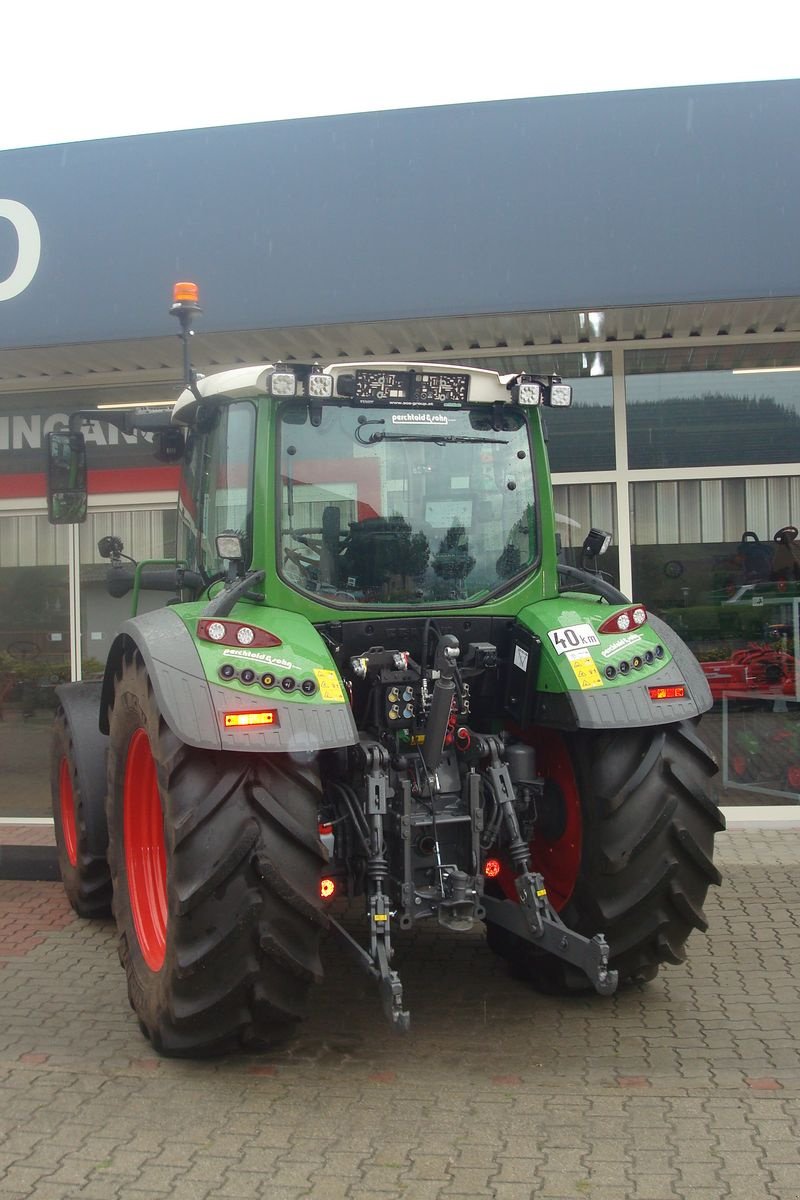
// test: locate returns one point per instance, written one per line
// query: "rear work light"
(628, 618)
(242, 720)
(283, 383)
(320, 386)
(677, 692)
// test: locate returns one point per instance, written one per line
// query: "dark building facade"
(642, 244)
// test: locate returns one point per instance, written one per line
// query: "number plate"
(573, 637)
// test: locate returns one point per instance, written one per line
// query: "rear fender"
(192, 699)
(606, 682)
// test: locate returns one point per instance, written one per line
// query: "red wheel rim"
(557, 860)
(145, 856)
(69, 827)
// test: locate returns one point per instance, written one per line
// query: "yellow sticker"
(329, 686)
(381, 917)
(585, 670)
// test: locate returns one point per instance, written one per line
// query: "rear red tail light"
(327, 888)
(678, 692)
(626, 620)
(491, 868)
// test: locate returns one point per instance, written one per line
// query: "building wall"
(662, 196)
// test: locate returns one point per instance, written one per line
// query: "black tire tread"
(244, 861)
(649, 819)
(88, 883)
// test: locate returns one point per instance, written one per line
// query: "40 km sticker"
(573, 637)
(585, 670)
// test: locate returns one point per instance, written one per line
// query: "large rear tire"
(633, 858)
(79, 821)
(216, 863)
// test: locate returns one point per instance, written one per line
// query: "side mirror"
(66, 478)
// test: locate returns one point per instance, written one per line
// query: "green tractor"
(374, 679)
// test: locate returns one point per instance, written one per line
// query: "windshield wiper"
(438, 439)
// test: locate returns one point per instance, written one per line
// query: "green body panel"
(556, 670)
(302, 652)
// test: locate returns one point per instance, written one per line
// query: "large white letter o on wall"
(30, 248)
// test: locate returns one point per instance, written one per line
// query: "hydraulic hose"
(593, 583)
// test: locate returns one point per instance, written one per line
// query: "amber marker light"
(240, 720)
(678, 692)
(185, 293)
(491, 868)
(327, 888)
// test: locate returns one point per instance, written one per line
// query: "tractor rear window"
(403, 507)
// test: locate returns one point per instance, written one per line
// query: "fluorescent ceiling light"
(762, 370)
(139, 404)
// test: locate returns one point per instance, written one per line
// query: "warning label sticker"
(585, 670)
(329, 686)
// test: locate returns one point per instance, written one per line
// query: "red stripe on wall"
(102, 482)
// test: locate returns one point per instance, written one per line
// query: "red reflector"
(265, 716)
(327, 888)
(668, 693)
(491, 868)
(325, 830)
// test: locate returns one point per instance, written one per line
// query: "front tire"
(216, 862)
(634, 859)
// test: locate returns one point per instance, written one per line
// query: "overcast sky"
(87, 69)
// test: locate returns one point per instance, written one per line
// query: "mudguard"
(606, 683)
(193, 700)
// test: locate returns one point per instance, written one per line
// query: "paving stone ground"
(687, 1089)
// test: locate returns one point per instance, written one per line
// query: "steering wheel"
(788, 533)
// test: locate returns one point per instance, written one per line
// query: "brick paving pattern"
(686, 1088)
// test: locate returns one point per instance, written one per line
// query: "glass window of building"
(734, 404)
(580, 438)
(719, 560)
(37, 561)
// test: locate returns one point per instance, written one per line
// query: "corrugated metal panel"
(689, 511)
(581, 506)
(644, 523)
(142, 534)
(697, 512)
(30, 541)
(712, 527)
(757, 511)
(122, 363)
(667, 512)
(734, 510)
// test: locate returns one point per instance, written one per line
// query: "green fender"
(194, 698)
(566, 674)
